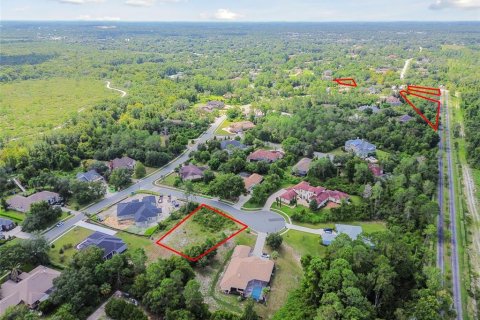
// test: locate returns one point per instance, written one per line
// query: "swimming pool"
(257, 292)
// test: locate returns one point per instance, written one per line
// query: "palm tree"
(15, 272)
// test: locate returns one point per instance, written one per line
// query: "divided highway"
(456, 279)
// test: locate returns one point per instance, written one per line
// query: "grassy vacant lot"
(67, 243)
(32, 106)
(223, 125)
(12, 215)
(203, 225)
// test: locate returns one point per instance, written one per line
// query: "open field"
(67, 244)
(33, 106)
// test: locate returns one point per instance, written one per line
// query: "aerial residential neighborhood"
(187, 160)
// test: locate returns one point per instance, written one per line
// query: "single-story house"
(352, 231)
(302, 167)
(143, 212)
(405, 118)
(241, 126)
(393, 101)
(376, 169)
(246, 275)
(89, 176)
(374, 109)
(32, 288)
(191, 172)
(6, 224)
(231, 144)
(361, 148)
(265, 155)
(122, 163)
(252, 180)
(213, 105)
(304, 193)
(22, 204)
(109, 244)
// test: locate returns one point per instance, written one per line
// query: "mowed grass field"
(33, 106)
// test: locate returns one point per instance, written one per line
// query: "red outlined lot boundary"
(350, 82)
(426, 90)
(193, 259)
(404, 94)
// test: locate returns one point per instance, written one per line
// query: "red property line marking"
(403, 93)
(342, 82)
(422, 89)
(244, 226)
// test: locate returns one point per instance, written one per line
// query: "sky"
(241, 10)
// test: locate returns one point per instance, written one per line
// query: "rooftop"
(32, 288)
(244, 268)
(109, 244)
(140, 210)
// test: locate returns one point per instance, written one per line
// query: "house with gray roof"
(109, 244)
(144, 212)
(89, 176)
(22, 204)
(405, 118)
(6, 224)
(361, 148)
(351, 231)
(374, 109)
(191, 172)
(229, 145)
(302, 167)
(122, 163)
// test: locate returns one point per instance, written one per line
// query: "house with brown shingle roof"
(265, 155)
(22, 204)
(241, 126)
(252, 181)
(33, 287)
(246, 275)
(302, 167)
(122, 163)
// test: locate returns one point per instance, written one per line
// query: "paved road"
(147, 183)
(260, 221)
(441, 183)
(457, 298)
(405, 68)
(56, 232)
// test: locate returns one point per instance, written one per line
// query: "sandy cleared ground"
(109, 216)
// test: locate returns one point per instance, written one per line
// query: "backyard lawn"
(304, 243)
(152, 250)
(67, 243)
(15, 216)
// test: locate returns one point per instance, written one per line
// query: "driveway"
(259, 244)
(94, 227)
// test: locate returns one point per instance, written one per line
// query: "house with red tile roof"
(265, 155)
(375, 169)
(252, 180)
(304, 193)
